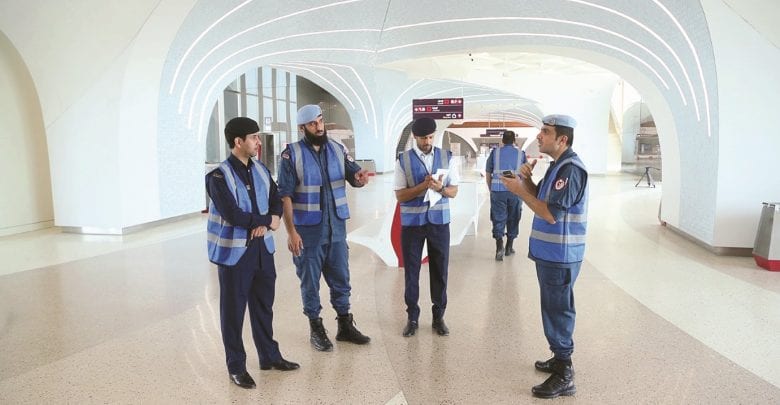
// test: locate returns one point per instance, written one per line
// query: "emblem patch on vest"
(560, 184)
(350, 158)
(285, 155)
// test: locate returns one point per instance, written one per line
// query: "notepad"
(434, 196)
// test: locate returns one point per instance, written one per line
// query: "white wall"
(96, 65)
(83, 144)
(591, 110)
(75, 53)
(626, 103)
(749, 136)
(667, 122)
(25, 200)
(586, 97)
(138, 146)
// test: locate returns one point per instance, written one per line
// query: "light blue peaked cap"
(308, 113)
(559, 119)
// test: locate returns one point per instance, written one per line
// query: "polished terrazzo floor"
(135, 319)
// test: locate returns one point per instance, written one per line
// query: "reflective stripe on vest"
(307, 209)
(227, 243)
(563, 241)
(417, 212)
(512, 158)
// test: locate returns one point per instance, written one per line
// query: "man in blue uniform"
(557, 244)
(244, 209)
(505, 207)
(312, 183)
(417, 186)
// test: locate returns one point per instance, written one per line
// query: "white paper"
(434, 196)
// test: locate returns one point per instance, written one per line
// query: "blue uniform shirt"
(331, 228)
(226, 203)
(489, 161)
(567, 189)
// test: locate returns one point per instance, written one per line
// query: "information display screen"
(494, 132)
(438, 108)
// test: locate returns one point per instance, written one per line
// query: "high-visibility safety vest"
(307, 208)
(563, 241)
(507, 157)
(227, 243)
(417, 212)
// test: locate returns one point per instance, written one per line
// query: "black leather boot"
(348, 332)
(561, 382)
(319, 337)
(499, 249)
(508, 250)
(546, 365)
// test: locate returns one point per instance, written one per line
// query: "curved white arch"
(232, 37)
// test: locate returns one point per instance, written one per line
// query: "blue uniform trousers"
(556, 288)
(505, 210)
(412, 240)
(331, 262)
(251, 281)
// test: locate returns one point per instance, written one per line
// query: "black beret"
(423, 126)
(241, 126)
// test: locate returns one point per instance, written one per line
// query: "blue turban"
(308, 113)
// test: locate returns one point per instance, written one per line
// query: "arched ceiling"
(348, 43)
(513, 72)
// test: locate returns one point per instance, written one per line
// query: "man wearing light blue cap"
(557, 244)
(312, 184)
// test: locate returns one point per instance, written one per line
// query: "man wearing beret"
(557, 244)
(244, 209)
(505, 207)
(312, 183)
(421, 221)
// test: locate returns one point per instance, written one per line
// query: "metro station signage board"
(438, 108)
(493, 132)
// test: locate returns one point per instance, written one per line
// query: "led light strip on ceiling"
(222, 61)
(313, 67)
(241, 67)
(289, 66)
(219, 20)
(365, 89)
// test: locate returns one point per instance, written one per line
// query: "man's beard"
(314, 139)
